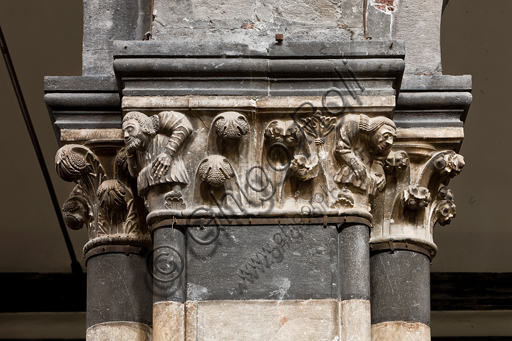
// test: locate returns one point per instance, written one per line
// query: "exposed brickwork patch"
(385, 5)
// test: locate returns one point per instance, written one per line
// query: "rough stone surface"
(105, 21)
(400, 287)
(118, 289)
(400, 331)
(418, 24)
(354, 262)
(258, 22)
(169, 321)
(266, 320)
(379, 19)
(191, 321)
(355, 320)
(119, 331)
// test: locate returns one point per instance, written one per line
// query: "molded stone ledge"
(381, 104)
(437, 83)
(101, 83)
(83, 102)
(433, 101)
(339, 49)
(148, 76)
(84, 135)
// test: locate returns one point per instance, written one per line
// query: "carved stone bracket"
(106, 207)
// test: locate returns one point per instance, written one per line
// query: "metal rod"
(75, 265)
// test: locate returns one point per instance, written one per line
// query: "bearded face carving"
(154, 149)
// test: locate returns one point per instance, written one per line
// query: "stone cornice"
(278, 69)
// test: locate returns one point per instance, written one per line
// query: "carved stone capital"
(258, 158)
(416, 197)
(106, 207)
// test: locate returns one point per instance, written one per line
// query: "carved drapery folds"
(362, 147)
(154, 155)
(106, 207)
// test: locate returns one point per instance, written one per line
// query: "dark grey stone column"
(354, 281)
(118, 292)
(169, 282)
(354, 262)
(168, 266)
(400, 293)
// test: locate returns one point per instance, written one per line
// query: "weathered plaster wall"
(106, 21)
(257, 22)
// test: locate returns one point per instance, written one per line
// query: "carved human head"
(285, 132)
(383, 138)
(138, 129)
(382, 132)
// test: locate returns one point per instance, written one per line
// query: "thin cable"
(75, 265)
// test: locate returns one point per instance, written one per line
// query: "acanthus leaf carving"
(76, 212)
(419, 197)
(113, 202)
(215, 170)
(104, 206)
